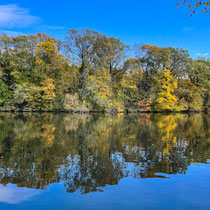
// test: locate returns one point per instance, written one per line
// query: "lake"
(141, 161)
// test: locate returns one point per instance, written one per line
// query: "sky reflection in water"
(116, 162)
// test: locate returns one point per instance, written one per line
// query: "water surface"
(64, 161)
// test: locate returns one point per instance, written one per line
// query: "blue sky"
(156, 22)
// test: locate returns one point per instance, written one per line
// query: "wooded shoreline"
(106, 112)
(90, 72)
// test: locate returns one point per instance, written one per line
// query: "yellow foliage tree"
(48, 60)
(165, 100)
(47, 48)
(49, 93)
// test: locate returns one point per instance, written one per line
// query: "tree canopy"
(89, 71)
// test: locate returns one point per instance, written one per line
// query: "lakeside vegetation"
(88, 71)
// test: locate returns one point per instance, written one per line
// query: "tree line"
(88, 71)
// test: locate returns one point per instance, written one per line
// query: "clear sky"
(156, 22)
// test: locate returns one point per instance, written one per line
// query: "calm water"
(64, 161)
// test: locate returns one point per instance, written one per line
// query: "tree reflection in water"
(88, 152)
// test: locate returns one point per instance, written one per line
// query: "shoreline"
(106, 112)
